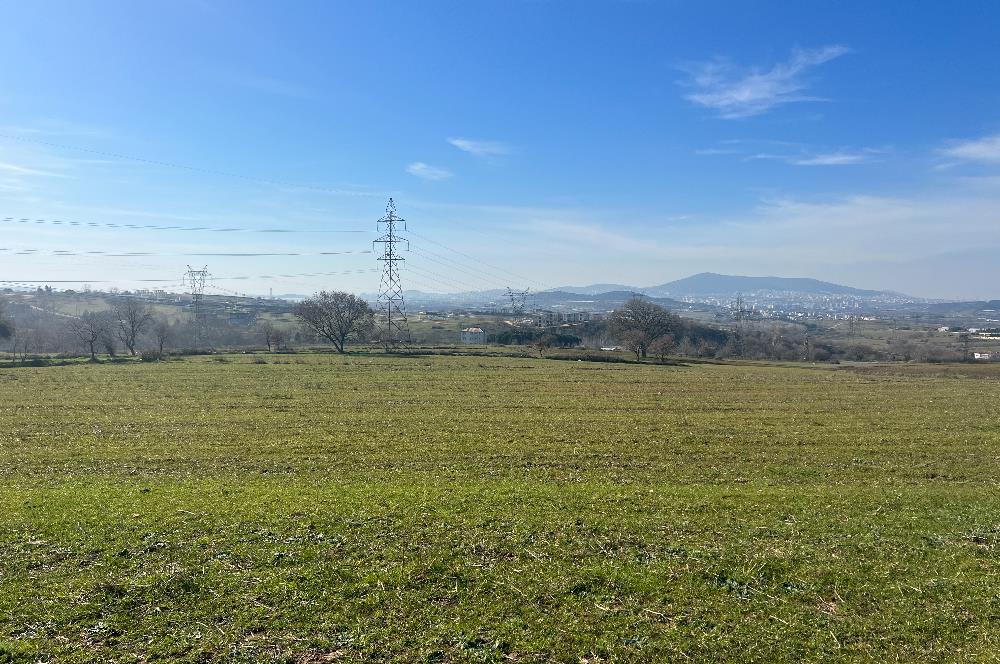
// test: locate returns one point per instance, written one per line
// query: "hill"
(595, 289)
(710, 283)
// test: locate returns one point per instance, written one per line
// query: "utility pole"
(395, 330)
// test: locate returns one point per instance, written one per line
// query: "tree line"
(130, 326)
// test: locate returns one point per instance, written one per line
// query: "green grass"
(322, 508)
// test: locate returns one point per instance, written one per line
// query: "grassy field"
(320, 508)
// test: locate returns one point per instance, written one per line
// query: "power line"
(475, 276)
(479, 265)
(174, 280)
(158, 227)
(303, 274)
(441, 281)
(479, 262)
(139, 254)
(476, 272)
(194, 169)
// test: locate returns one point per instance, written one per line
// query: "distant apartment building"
(550, 318)
(473, 335)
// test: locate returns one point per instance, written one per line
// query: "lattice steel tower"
(518, 299)
(395, 330)
(195, 279)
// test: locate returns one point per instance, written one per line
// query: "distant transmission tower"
(395, 330)
(741, 312)
(517, 300)
(195, 280)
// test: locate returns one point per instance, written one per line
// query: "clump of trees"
(646, 328)
(340, 318)
(537, 336)
(273, 336)
(662, 347)
(551, 339)
(640, 324)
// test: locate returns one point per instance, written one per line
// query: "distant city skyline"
(527, 144)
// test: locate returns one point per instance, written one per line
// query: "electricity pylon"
(395, 330)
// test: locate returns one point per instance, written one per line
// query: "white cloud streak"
(833, 159)
(734, 94)
(24, 170)
(428, 172)
(480, 148)
(985, 149)
(838, 158)
(802, 155)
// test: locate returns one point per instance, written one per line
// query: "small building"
(473, 335)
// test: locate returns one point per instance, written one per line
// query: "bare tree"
(108, 341)
(268, 331)
(279, 339)
(89, 329)
(23, 340)
(338, 317)
(662, 346)
(161, 332)
(132, 317)
(645, 317)
(636, 341)
(543, 343)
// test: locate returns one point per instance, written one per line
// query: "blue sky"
(528, 144)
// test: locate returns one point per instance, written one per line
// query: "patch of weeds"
(16, 652)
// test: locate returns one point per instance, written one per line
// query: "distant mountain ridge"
(710, 283)
(595, 289)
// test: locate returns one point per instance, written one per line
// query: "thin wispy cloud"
(428, 172)
(711, 152)
(739, 93)
(55, 127)
(480, 148)
(985, 149)
(803, 156)
(840, 158)
(24, 170)
(834, 159)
